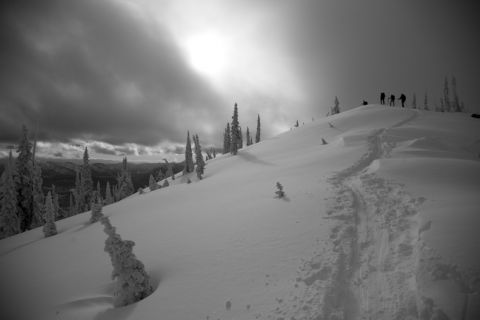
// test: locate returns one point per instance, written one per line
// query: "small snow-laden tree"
(336, 107)
(108, 194)
(257, 134)
(234, 131)
(49, 228)
(165, 183)
(280, 193)
(9, 222)
(97, 205)
(414, 101)
(324, 141)
(199, 158)
(132, 281)
(169, 170)
(188, 156)
(56, 205)
(152, 183)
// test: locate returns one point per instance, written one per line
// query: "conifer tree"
(169, 170)
(248, 137)
(9, 221)
(226, 139)
(38, 198)
(165, 183)
(152, 183)
(257, 134)
(132, 281)
(24, 181)
(78, 193)
(99, 191)
(124, 184)
(280, 193)
(49, 228)
(96, 206)
(336, 106)
(188, 156)
(414, 101)
(199, 158)
(86, 181)
(234, 132)
(108, 194)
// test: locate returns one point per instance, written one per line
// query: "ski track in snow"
(370, 266)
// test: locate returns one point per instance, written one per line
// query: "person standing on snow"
(382, 98)
(402, 99)
(392, 100)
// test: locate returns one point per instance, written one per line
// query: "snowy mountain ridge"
(380, 223)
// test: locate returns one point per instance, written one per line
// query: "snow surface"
(380, 223)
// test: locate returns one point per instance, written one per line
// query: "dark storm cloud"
(95, 70)
(355, 49)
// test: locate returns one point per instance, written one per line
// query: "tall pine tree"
(9, 220)
(234, 132)
(249, 141)
(188, 156)
(257, 134)
(24, 181)
(226, 139)
(49, 228)
(125, 184)
(199, 158)
(446, 96)
(108, 194)
(86, 181)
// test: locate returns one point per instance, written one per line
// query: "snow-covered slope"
(380, 223)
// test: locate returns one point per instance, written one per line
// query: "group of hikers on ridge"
(391, 99)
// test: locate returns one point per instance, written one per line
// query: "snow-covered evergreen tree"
(324, 141)
(86, 181)
(24, 181)
(38, 198)
(152, 183)
(9, 222)
(169, 172)
(257, 134)
(132, 281)
(226, 139)
(336, 107)
(248, 138)
(199, 158)
(124, 182)
(56, 205)
(165, 183)
(234, 131)
(108, 194)
(96, 213)
(49, 228)
(71, 207)
(188, 156)
(414, 101)
(78, 193)
(280, 193)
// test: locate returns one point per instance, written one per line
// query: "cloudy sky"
(130, 77)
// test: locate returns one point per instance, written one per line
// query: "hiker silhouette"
(392, 100)
(382, 98)
(364, 102)
(402, 99)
